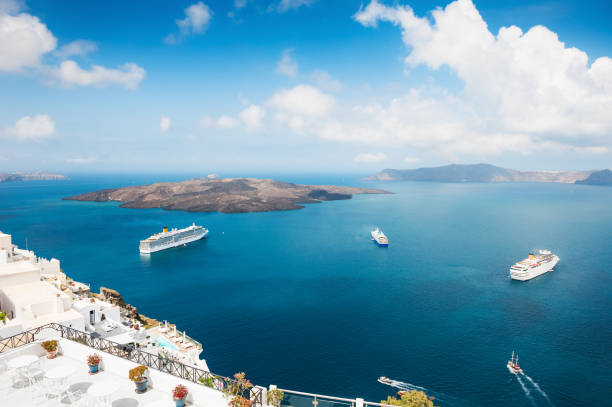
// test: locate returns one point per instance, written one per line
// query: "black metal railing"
(134, 354)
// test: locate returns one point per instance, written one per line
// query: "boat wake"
(531, 384)
(440, 399)
(539, 389)
(526, 390)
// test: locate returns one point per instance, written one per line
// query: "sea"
(305, 300)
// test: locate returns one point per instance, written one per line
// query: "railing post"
(259, 394)
(359, 402)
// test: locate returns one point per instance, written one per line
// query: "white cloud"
(592, 150)
(412, 160)
(23, 41)
(226, 122)
(77, 47)
(70, 74)
(238, 4)
(11, 6)
(303, 100)
(207, 122)
(287, 65)
(324, 80)
(252, 117)
(286, 5)
(196, 21)
(370, 158)
(81, 160)
(522, 90)
(164, 124)
(32, 128)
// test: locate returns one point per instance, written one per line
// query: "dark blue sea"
(305, 300)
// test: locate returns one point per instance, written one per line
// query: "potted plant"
(138, 376)
(275, 397)
(51, 348)
(93, 361)
(3, 316)
(179, 394)
(235, 390)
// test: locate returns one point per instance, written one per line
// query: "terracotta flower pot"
(51, 354)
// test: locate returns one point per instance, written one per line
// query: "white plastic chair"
(77, 398)
(34, 373)
(39, 394)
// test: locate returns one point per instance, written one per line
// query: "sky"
(304, 85)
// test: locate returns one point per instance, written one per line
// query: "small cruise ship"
(513, 365)
(172, 238)
(379, 237)
(534, 265)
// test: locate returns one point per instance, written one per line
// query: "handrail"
(129, 352)
(324, 397)
(320, 396)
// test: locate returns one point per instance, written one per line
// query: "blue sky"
(303, 85)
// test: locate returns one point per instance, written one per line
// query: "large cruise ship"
(534, 265)
(172, 238)
(379, 237)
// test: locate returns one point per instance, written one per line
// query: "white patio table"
(22, 361)
(161, 403)
(60, 373)
(103, 390)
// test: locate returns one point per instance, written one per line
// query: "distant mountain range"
(491, 173)
(30, 176)
(603, 177)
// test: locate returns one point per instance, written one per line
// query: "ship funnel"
(165, 229)
(530, 256)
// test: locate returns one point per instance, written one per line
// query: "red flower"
(180, 392)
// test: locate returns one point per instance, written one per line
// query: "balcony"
(66, 381)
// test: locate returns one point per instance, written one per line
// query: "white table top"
(21, 361)
(161, 403)
(60, 372)
(103, 388)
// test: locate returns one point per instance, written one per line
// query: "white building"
(95, 311)
(34, 292)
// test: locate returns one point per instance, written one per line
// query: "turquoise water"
(163, 342)
(305, 300)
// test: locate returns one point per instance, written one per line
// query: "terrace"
(28, 378)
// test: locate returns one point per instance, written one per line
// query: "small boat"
(513, 365)
(384, 380)
(379, 237)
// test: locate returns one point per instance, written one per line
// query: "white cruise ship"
(172, 238)
(379, 237)
(534, 265)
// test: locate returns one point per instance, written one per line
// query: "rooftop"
(35, 292)
(16, 267)
(76, 378)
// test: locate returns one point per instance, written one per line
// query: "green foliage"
(137, 373)
(49, 346)
(235, 389)
(275, 397)
(209, 381)
(412, 398)
(3, 316)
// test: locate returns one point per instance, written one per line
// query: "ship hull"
(176, 243)
(379, 241)
(534, 272)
